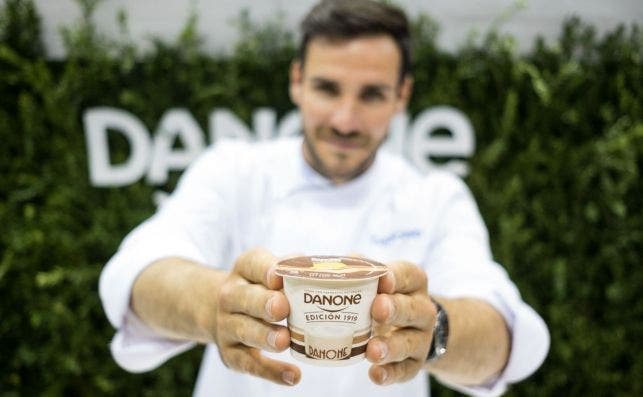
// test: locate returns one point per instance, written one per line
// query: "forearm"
(178, 298)
(478, 346)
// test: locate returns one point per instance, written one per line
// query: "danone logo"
(328, 354)
(330, 303)
(438, 132)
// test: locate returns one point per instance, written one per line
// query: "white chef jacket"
(240, 195)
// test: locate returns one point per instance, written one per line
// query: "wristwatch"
(440, 334)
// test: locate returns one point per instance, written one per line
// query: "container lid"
(326, 267)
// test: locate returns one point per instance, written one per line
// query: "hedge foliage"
(556, 172)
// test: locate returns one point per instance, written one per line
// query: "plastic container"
(330, 301)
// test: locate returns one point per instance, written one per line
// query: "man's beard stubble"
(356, 138)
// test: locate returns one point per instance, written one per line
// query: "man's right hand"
(250, 300)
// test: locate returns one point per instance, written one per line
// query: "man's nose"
(345, 117)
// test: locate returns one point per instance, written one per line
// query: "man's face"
(347, 92)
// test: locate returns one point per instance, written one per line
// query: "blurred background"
(216, 19)
(538, 105)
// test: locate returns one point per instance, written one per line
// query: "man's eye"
(372, 95)
(327, 89)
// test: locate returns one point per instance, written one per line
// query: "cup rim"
(330, 268)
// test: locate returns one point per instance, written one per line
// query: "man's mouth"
(343, 143)
(347, 142)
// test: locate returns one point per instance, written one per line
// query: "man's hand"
(404, 316)
(249, 301)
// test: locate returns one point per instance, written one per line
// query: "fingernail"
(269, 306)
(288, 377)
(272, 339)
(383, 350)
(384, 375)
(391, 310)
(269, 274)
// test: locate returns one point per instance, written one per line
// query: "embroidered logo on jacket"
(399, 235)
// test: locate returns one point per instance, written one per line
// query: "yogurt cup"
(330, 301)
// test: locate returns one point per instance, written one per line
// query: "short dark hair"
(346, 19)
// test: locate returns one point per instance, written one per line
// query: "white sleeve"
(193, 224)
(459, 264)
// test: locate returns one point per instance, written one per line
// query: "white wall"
(165, 18)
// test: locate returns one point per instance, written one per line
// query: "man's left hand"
(404, 316)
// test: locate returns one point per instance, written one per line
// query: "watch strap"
(440, 333)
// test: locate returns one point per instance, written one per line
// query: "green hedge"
(556, 172)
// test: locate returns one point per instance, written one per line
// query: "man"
(190, 274)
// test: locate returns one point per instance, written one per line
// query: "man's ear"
(296, 81)
(404, 93)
